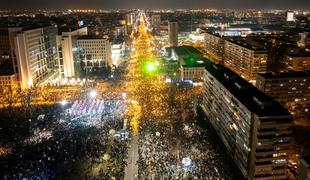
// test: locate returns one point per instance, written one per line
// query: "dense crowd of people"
(60, 147)
(185, 151)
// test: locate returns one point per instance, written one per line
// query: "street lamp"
(93, 94)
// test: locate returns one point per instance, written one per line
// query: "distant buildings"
(120, 30)
(95, 51)
(254, 128)
(173, 33)
(130, 19)
(245, 58)
(304, 168)
(156, 21)
(290, 16)
(291, 89)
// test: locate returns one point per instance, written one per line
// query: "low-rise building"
(255, 129)
(8, 80)
(191, 62)
(192, 72)
(96, 51)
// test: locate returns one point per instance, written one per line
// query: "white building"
(290, 16)
(193, 73)
(68, 52)
(117, 52)
(35, 55)
(96, 51)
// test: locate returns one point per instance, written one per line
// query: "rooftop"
(184, 50)
(214, 33)
(63, 29)
(191, 62)
(298, 53)
(43, 25)
(90, 37)
(289, 74)
(246, 43)
(252, 98)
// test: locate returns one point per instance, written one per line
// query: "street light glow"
(93, 94)
(64, 102)
(150, 67)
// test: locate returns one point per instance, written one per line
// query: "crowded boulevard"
(171, 140)
(132, 126)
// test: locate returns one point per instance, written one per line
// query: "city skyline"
(195, 93)
(160, 4)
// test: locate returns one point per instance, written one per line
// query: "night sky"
(153, 4)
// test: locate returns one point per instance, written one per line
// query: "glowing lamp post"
(93, 94)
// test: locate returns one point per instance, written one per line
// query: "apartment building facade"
(291, 89)
(245, 58)
(255, 129)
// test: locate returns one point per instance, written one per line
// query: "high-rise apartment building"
(297, 61)
(96, 51)
(291, 89)
(255, 129)
(246, 58)
(214, 47)
(173, 33)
